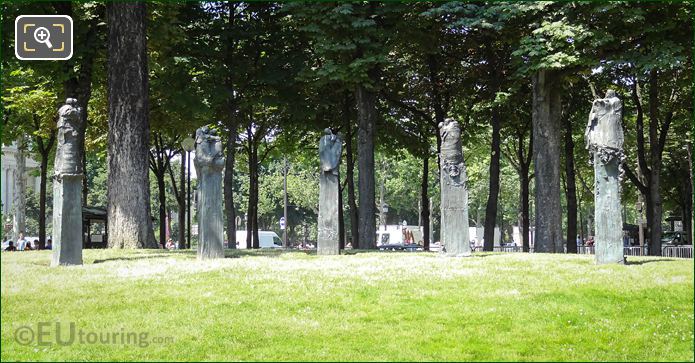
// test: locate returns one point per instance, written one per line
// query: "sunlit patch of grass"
(275, 305)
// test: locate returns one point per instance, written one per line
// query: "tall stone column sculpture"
(454, 200)
(604, 140)
(209, 163)
(330, 150)
(67, 187)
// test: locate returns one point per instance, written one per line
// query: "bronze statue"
(330, 152)
(454, 192)
(604, 140)
(67, 187)
(209, 163)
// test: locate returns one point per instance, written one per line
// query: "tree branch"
(635, 180)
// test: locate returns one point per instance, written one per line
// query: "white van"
(267, 239)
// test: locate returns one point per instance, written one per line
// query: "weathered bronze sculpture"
(454, 200)
(67, 187)
(209, 163)
(604, 140)
(330, 151)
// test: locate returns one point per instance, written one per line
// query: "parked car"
(267, 239)
(674, 239)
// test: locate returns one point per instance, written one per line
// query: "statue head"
(448, 123)
(330, 150)
(69, 112)
(450, 127)
(610, 93)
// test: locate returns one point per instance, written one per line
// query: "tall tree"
(129, 220)
(653, 66)
(570, 186)
(78, 70)
(546, 160)
(366, 119)
(231, 125)
(518, 151)
(31, 110)
(160, 156)
(19, 204)
(348, 44)
(350, 168)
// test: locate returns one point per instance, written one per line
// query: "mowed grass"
(364, 306)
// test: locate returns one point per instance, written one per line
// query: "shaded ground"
(366, 306)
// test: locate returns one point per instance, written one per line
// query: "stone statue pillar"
(604, 140)
(67, 187)
(209, 163)
(454, 200)
(330, 151)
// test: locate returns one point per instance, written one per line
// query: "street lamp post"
(188, 145)
(384, 212)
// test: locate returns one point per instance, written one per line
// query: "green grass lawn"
(364, 306)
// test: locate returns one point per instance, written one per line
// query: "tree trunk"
(129, 221)
(525, 210)
(656, 211)
(161, 187)
(341, 218)
(252, 212)
(491, 208)
(20, 193)
(249, 209)
(229, 209)
(691, 201)
(571, 189)
(366, 112)
(182, 202)
(256, 240)
(425, 203)
(42, 201)
(45, 151)
(546, 156)
(352, 203)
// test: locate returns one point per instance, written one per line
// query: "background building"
(8, 178)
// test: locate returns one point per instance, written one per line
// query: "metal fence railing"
(635, 251)
(666, 251)
(677, 251)
(502, 249)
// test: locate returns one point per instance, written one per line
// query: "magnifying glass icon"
(42, 35)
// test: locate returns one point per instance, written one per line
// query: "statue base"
(210, 223)
(608, 214)
(328, 236)
(454, 221)
(67, 220)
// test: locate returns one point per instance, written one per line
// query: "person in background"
(10, 246)
(21, 242)
(49, 244)
(626, 239)
(579, 241)
(27, 246)
(36, 244)
(170, 244)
